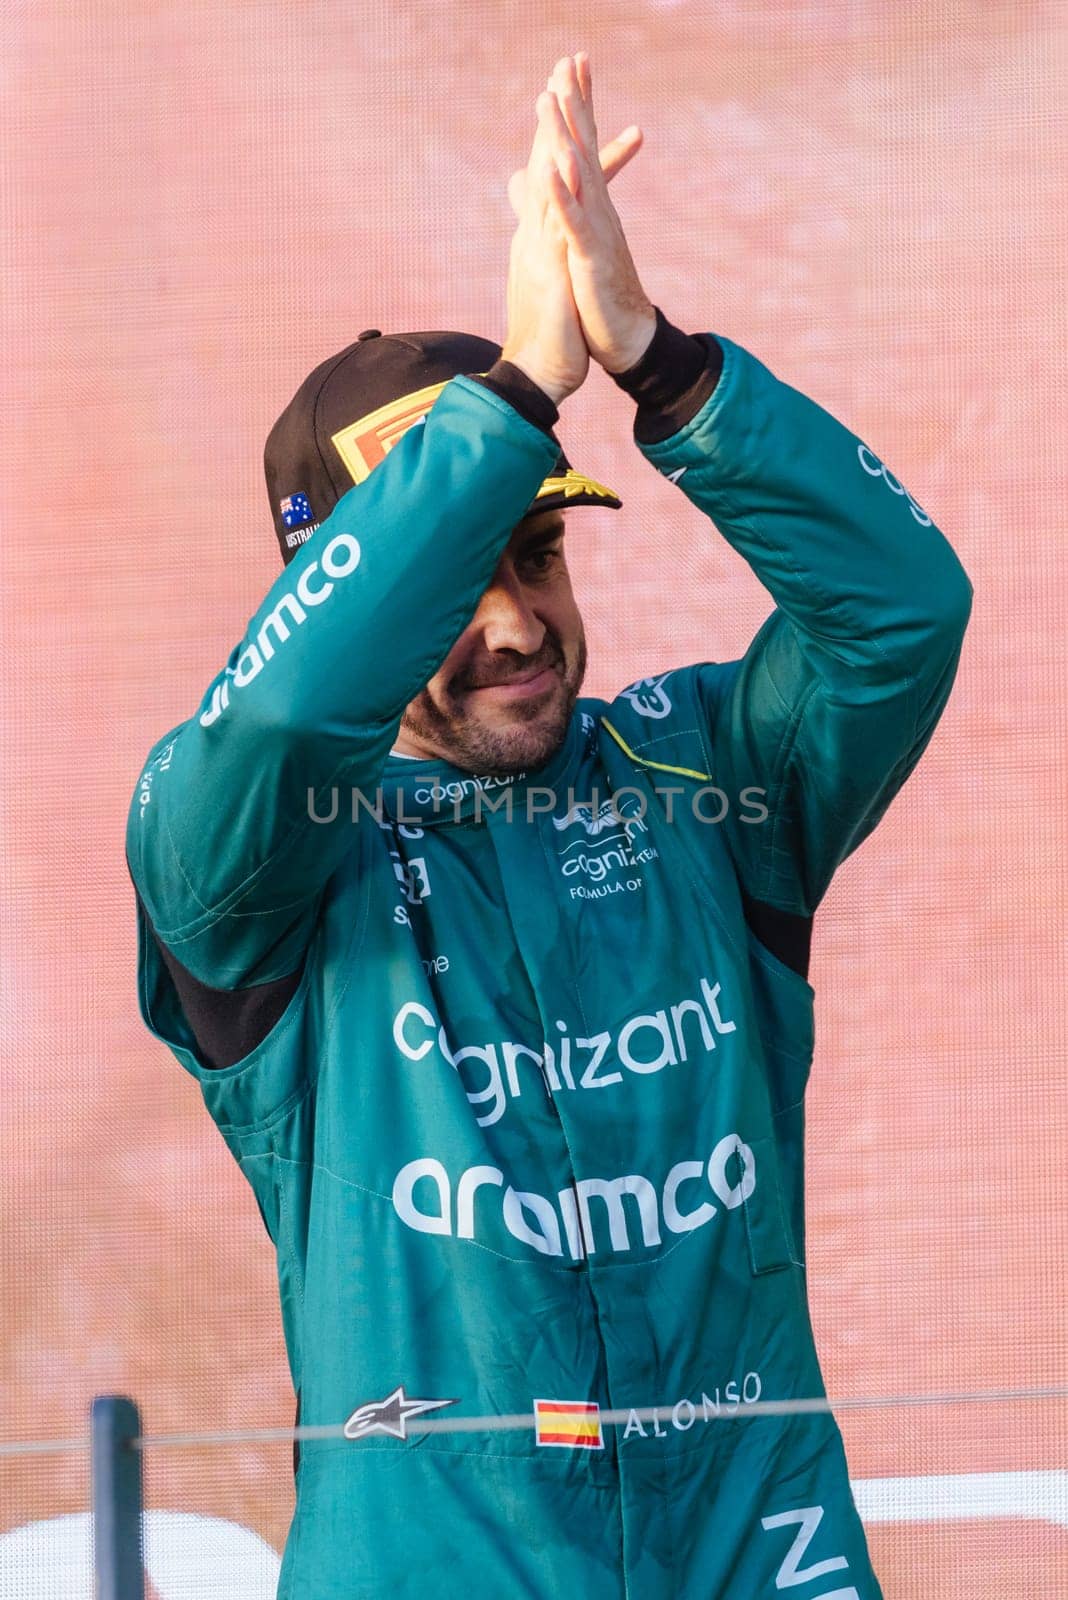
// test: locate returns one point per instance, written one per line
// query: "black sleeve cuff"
(672, 381)
(227, 1024)
(786, 934)
(521, 392)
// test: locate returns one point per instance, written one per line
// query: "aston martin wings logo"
(391, 1415)
(573, 483)
(608, 816)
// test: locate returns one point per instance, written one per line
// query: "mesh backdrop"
(203, 201)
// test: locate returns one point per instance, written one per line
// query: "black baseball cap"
(353, 408)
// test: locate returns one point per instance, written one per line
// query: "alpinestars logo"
(648, 696)
(391, 1415)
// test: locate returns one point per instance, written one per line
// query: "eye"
(541, 563)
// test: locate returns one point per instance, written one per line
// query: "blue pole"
(117, 1498)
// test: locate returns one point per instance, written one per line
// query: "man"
(498, 996)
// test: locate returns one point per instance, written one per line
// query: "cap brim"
(565, 488)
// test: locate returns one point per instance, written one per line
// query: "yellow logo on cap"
(575, 483)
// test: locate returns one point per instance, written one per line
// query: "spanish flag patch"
(571, 1424)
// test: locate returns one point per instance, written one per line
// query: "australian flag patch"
(296, 510)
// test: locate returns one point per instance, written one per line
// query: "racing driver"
(499, 995)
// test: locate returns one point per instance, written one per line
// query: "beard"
(509, 739)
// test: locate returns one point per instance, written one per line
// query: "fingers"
(618, 151)
(582, 72)
(565, 132)
(563, 149)
(532, 190)
(614, 157)
(572, 220)
(568, 77)
(527, 190)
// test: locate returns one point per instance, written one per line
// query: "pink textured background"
(204, 200)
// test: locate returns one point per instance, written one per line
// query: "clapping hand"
(618, 320)
(573, 290)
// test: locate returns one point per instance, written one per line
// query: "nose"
(505, 618)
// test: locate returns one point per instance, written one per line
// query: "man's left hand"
(618, 319)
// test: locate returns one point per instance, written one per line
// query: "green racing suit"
(519, 1075)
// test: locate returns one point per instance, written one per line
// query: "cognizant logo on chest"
(339, 559)
(645, 1044)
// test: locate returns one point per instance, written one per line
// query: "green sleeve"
(221, 841)
(841, 689)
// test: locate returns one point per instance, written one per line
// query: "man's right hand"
(544, 337)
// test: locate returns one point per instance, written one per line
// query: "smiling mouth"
(519, 688)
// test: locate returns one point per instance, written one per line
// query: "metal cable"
(734, 1412)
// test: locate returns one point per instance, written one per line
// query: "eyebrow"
(545, 535)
